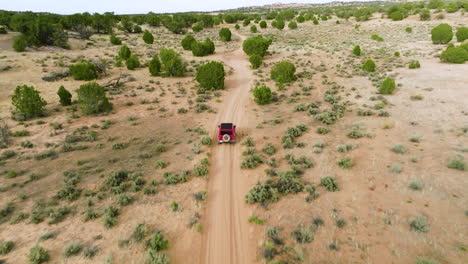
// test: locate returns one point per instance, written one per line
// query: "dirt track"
(227, 232)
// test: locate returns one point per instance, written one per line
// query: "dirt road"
(226, 239)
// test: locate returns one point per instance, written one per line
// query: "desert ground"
(408, 138)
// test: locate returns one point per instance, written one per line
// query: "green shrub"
(283, 72)
(171, 63)
(187, 42)
(154, 66)
(457, 163)
(114, 40)
(210, 75)
(292, 25)
(255, 61)
(237, 26)
(261, 193)
(125, 199)
(253, 29)
(155, 257)
(28, 102)
(330, 184)
(442, 34)
(377, 38)
(368, 66)
(110, 216)
(170, 178)
(346, 163)
(454, 55)
(357, 50)
(416, 185)
(425, 15)
(269, 149)
(279, 24)
(205, 48)
(426, 261)
(263, 24)
(225, 34)
(6, 247)
(256, 45)
(303, 235)
(148, 37)
(262, 95)
(20, 43)
(157, 242)
(462, 34)
(124, 52)
(419, 224)
(65, 96)
(388, 86)
(399, 149)
(414, 64)
(85, 71)
(92, 99)
(3, 30)
(137, 29)
(38, 255)
(315, 21)
(197, 27)
(408, 29)
(252, 162)
(72, 249)
(132, 62)
(90, 251)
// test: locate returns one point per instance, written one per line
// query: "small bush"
(124, 52)
(6, 247)
(262, 95)
(292, 25)
(263, 24)
(283, 72)
(253, 29)
(419, 224)
(28, 102)
(90, 251)
(377, 38)
(211, 75)
(442, 34)
(303, 235)
(457, 163)
(426, 261)
(408, 29)
(85, 71)
(357, 50)
(115, 40)
(65, 96)
(92, 99)
(110, 216)
(425, 15)
(261, 193)
(330, 184)
(346, 163)
(414, 64)
(252, 162)
(416, 185)
(388, 86)
(255, 61)
(369, 66)
(256, 45)
(38, 255)
(154, 66)
(157, 242)
(454, 55)
(171, 63)
(462, 34)
(269, 149)
(72, 249)
(148, 37)
(20, 43)
(157, 258)
(132, 62)
(399, 149)
(340, 222)
(187, 42)
(225, 34)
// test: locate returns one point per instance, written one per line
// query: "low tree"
(462, 34)
(205, 48)
(171, 63)
(454, 55)
(368, 66)
(357, 50)
(211, 75)
(262, 95)
(442, 34)
(237, 26)
(283, 72)
(154, 66)
(292, 25)
(315, 21)
(263, 24)
(187, 42)
(132, 62)
(92, 99)
(255, 61)
(256, 45)
(20, 43)
(225, 34)
(65, 96)
(124, 52)
(197, 27)
(425, 15)
(28, 102)
(280, 24)
(388, 86)
(137, 29)
(84, 71)
(148, 37)
(115, 40)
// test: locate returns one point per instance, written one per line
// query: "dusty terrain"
(374, 200)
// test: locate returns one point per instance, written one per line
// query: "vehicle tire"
(226, 138)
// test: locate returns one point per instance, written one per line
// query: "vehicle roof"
(226, 125)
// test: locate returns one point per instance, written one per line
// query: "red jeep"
(226, 133)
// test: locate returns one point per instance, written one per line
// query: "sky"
(136, 6)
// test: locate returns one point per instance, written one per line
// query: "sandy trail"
(226, 239)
